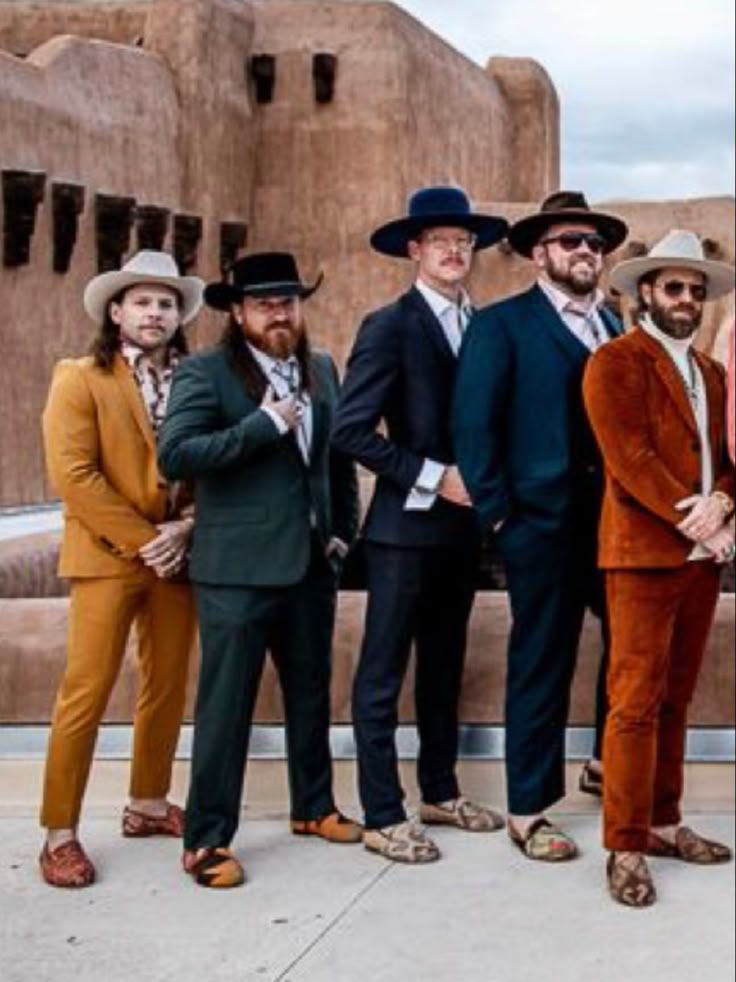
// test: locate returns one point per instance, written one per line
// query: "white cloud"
(646, 86)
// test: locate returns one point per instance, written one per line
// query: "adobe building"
(212, 127)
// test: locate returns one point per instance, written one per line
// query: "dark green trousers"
(238, 625)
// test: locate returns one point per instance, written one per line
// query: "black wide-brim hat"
(560, 208)
(263, 274)
(436, 207)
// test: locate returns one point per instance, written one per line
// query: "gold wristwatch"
(725, 502)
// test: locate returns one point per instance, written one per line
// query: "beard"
(580, 279)
(279, 342)
(678, 322)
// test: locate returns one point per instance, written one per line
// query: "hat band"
(271, 285)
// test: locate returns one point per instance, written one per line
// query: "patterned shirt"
(154, 382)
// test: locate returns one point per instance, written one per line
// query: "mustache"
(685, 308)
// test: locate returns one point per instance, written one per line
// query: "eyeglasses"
(675, 288)
(570, 241)
(443, 243)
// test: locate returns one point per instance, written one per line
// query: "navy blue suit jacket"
(521, 435)
(401, 373)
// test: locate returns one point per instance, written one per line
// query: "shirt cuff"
(277, 420)
(424, 493)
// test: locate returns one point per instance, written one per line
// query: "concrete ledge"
(482, 743)
(33, 652)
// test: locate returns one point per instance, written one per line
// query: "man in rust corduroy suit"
(657, 408)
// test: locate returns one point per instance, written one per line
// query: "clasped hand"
(167, 553)
(706, 525)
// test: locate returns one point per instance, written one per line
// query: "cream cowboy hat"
(680, 249)
(147, 266)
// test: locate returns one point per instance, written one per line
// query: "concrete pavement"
(312, 912)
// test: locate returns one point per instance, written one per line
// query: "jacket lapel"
(714, 399)
(133, 398)
(432, 327)
(574, 350)
(612, 324)
(668, 373)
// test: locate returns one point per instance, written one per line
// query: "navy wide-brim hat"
(558, 209)
(435, 207)
(263, 274)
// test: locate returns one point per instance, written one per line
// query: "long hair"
(247, 368)
(107, 340)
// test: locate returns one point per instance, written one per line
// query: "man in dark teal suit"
(249, 422)
(529, 460)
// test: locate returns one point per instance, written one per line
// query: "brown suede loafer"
(139, 825)
(334, 827)
(213, 867)
(689, 847)
(67, 866)
(629, 880)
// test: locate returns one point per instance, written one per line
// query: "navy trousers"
(550, 574)
(421, 596)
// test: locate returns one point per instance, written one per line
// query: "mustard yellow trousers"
(101, 615)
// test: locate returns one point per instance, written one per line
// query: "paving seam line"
(283, 975)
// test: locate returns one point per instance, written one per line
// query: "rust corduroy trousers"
(660, 620)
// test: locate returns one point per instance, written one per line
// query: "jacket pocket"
(240, 515)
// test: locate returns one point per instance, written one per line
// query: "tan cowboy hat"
(147, 266)
(680, 249)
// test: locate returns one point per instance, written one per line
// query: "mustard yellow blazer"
(101, 457)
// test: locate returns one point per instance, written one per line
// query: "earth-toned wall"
(166, 139)
(33, 649)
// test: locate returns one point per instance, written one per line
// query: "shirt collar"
(267, 362)
(136, 356)
(560, 300)
(438, 302)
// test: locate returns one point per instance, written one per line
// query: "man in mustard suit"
(124, 547)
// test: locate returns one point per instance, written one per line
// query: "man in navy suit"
(421, 537)
(529, 460)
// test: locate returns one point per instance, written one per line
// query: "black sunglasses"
(675, 288)
(570, 241)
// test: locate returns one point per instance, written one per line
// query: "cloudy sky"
(646, 86)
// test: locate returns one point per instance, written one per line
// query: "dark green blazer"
(254, 494)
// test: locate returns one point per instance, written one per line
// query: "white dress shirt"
(453, 318)
(581, 319)
(689, 370)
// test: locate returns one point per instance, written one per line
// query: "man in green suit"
(249, 422)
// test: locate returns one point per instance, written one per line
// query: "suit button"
(695, 446)
(697, 487)
(162, 485)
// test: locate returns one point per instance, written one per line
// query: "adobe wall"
(25, 26)
(172, 132)
(139, 130)
(407, 110)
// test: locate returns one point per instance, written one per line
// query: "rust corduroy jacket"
(101, 457)
(648, 437)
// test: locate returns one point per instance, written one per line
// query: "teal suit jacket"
(254, 494)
